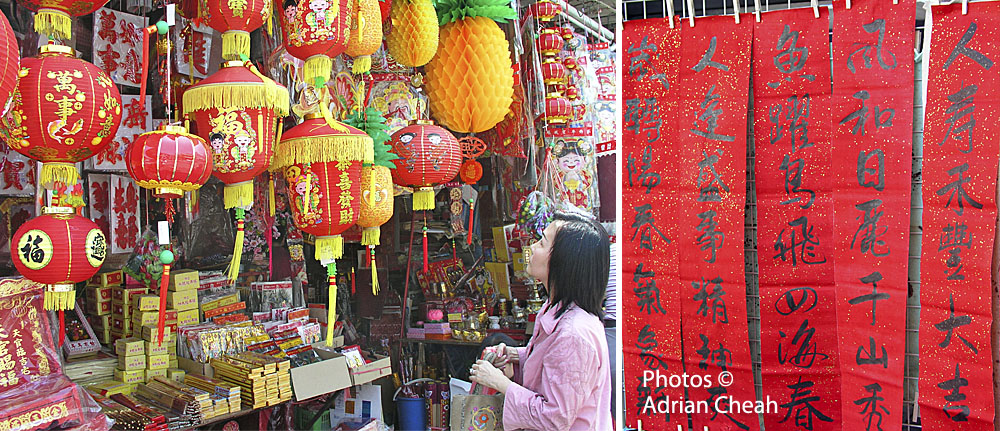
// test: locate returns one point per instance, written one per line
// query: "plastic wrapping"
(34, 393)
(144, 263)
(208, 236)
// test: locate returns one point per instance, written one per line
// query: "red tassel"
(426, 266)
(168, 209)
(468, 235)
(454, 250)
(161, 320)
(62, 327)
(354, 288)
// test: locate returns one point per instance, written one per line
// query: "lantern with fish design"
(235, 19)
(429, 155)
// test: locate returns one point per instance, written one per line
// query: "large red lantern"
(553, 72)
(65, 110)
(545, 10)
(558, 110)
(549, 41)
(235, 19)
(238, 111)
(429, 155)
(169, 161)
(316, 31)
(10, 63)
(52, 17)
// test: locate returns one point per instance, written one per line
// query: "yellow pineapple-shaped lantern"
(366, 34)
(412, 39)
(470, 82)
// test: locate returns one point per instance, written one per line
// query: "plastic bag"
(144, 263)
(208, 234)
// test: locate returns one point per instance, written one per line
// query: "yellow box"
(159, 372)
(143, 318)
(188, 317)
(185, 279)
(147, 302)
(183, 300)
(500, 244)
(176, 374)
(153, 348)
(106, 279)
(98, 308)
(98, 293)
(130, 376)
(221, 302)
(149, 333)
(129, 347)
(173, 362)
(156, 362)
(134, 362)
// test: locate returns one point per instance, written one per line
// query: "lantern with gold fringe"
(238, 111)
(429, 155)
(235, 20)
(322, 165)
(53, 17)
(366, 34)
(64, 111)
(316, 31)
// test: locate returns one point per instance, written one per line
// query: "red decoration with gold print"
(316, 31)
(549, 41)
(235, 19)
(324, 196)
(471, 172)
(170, 161)
(558, 110)
(553, 72)
(429, 155)
(10, 62)
(64, 111)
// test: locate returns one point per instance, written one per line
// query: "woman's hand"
(504, 355)
(487, 375)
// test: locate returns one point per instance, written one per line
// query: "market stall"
(297, 215)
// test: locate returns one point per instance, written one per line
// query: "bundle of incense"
(178, 403)
(229, 393)
(156, 416)
(124, 417)
(203, 398)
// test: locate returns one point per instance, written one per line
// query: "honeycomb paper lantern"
(412, 38)
(366, 35)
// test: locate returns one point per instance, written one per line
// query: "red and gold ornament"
(235, 19)
(558, 110)
(570, 63)
(553, 72)
(429, 155)
(549, 41)
(316, 31)
(545, 10)
(169, 161)
(471, 170)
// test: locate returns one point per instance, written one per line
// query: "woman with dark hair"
(564, 380)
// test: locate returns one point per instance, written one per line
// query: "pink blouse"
(566, 383)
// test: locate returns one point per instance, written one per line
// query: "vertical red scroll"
(712, 131)
(960, 151)
(650, 303)
(872, 122)
(795, 238)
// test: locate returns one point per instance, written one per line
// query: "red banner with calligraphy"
(872, 142)
(800, 366)
(651, 306)
(712, 121)
(959, 197)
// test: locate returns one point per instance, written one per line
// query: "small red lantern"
(549, 42)
(570, 63)
(558, 110)
(545, 10)
(235, 19)
(64, 111)
(10, 63)
(170, 161)
(471, 171)
(567, 33)
(52, 17)
(572, 93)
(553, 72)
(316, 31)
(428, 155)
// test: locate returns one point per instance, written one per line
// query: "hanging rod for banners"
(585, 22)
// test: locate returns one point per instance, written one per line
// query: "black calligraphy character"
(869, 230)
(718, 304)
(801, 403)
(31, 250)
(721, 357)
(871, 407)
(644, 393)
(878, 171)
(866, 50)
(706, 60)
(882, 117)
(642, 116)
(801, 245)
(799, 298)
(871, 355)
(647, 344)
(645, 177)
(796, 113)
(646, 291)
(952, 323)
(710, 238)
(790, 58)
(643, 223)
(717, 392)
(955, 190)
(710, 116)
(961, 48)
(710, 184)
(953, 238)
(806, 353)
(955, 385)
(793, 182)
(873, 297)
(961, 107)
(639, 64)
(99, 249)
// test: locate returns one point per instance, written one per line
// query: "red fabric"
(872, 222)
(792, 127)
(650, 305)
(714, 84)
(955, 263)
(10, 62)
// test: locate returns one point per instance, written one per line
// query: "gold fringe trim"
(237, 95)
(234, 265)
(162, 184)
(53, 172)
(317, 66)
(329, 248)
(55, 23)
(59, 300)
(239, 195)
(371, 235)
(362, 64)
(235, 45)
(314, 149)
(423, 199)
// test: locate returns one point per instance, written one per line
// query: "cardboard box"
(194, 367)
(146, 302)
(104, 336)
(380, 367)
(129, 363)
(437, 328)
(159, 372)
(185, 279)
(130, 376)
(107, 279)
(183, 300)
(155, 362)
(123, 295)
(188, 317)
(329, 375)
(173, 361)
(152, 348)
(145, 318)
(121, 325)
(176, 374)
(120, 309)
(98, 293)
(150, 333)
(95, 308)
(129, 347)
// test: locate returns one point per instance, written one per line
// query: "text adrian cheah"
(724, 404)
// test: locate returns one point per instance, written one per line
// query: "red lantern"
(549, 42)
(235, 19)
(567, 33)
(545, 10)
(558, 110)
(572, 93)
(170, 161)
(570, 63)
(428, 155)
(64, 111)
(10, 63)
(553, 71)
(58, 249)
(52, 17)
(316, 31)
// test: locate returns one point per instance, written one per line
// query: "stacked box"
(108, 279)
(102, 327)
(264, 380)
(131, 360)
(176, 374)
(183, 300)
(229, 392)
(98, 300)
(183, 280)
(121, 310)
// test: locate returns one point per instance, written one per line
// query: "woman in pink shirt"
(563, 381)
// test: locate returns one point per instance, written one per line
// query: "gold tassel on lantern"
(331, 313)
(317, 66)
(329, 248)
(423, 199)
(371, 235)
(270, 196)
(59, 297)
(234, 264)
(375, 287)
(53, 22)
(235, 45)
(239, 195)
(53, 172)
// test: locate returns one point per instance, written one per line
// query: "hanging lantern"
(553, 72)
(235, 20)
(428, 155)
(572, 92)
(567, 33)
(52, 17)
(558, 110)
(64, 111)
(169, 161)
(471, 170)
(366, 34)
(570, 63)
(559, 87)
(238, 111)
(412, 37)
(549, 41)
(10, 63)
(545, 10)
(316, 31)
